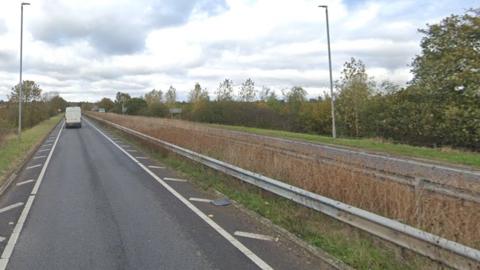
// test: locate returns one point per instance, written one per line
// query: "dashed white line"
(174, 179)
(156, 167)
(7, 252)
(48, 144)
(43, 150)
(25, 182)
(33, 166)
(141, 157)
(2, 238)
(37, 157)
(230, 238)
(132, 150)
(253, 235)
(199, 200)
(10, 207)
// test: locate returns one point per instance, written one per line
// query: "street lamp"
(21, 83)
(334, 131)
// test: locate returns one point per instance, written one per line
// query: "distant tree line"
(439, 107)
(36, 106)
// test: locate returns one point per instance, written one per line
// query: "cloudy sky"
(88, 49)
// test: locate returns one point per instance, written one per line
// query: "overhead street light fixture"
(334, 130)
(21, 82)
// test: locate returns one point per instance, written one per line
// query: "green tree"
(225, 91)
(120, 100)
(57, 104)
(136, 106)
(355, 89)
(154, 97)
(34, 108)
(198, 94)
(171, 96)
(106, 104)
(30, 92)
(296, 95)
(247, 91)
(449, 62)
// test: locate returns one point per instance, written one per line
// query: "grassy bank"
(340, 240)
(13, 151)
(437, 154)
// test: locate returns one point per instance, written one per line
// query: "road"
(88, 200)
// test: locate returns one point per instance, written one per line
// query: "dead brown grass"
(303, 166)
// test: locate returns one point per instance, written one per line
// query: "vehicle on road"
(73, 117)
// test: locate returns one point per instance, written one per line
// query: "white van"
(73, 117)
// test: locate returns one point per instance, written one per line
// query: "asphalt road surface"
(88, 200)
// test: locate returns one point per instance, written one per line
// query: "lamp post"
(334, 131)
(21, 82)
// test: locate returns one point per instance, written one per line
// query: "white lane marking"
(199, 200)
(33, 166)
(43, 150)
(7, 252)
(253, 235)
(174, 179)
(37, 157)
(141, 157)
(242, 248)
(48, 144)
(10, 207)
(25, 182)
(156, 167)
(2, 238)
(47, 161)
(132, 151)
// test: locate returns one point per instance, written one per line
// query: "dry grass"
(302, 166)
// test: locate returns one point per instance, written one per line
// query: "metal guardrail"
(448, 252)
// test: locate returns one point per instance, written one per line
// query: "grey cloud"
(3, 26)
(8, 61)
(118, 30)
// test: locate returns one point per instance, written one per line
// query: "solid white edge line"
(7, 252)
(42, 173)
(253, 235)
(242, 248)
(10, 207)
(199, 200)
(25, 182)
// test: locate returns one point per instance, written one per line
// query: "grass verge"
(448, 155)
(13, 151)
(346, 243)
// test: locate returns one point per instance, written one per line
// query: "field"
(447, 216)
(445, 154)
